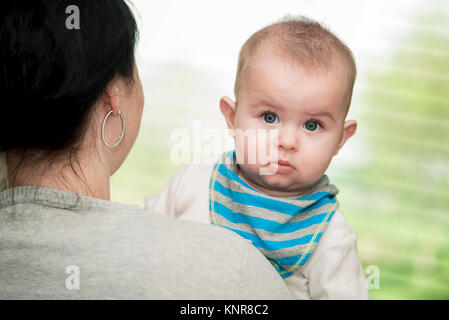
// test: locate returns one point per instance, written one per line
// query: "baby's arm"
(334, 270)
(165, 202)
(186, 195)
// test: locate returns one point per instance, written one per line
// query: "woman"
(71, 107)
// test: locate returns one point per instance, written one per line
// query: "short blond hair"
(299, 40)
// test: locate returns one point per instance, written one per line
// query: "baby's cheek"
(243, 150)
(315, 160)
(254, 146)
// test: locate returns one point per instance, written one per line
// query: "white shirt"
(332, 272)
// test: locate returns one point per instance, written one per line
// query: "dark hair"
(51, 76)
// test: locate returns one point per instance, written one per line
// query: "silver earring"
(121, 135)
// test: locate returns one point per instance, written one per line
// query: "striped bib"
(285, 229)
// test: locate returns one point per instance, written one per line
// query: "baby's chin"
(276, 184)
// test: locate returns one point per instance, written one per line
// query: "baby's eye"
(269, 117)
(312, 125)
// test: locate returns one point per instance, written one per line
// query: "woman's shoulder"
(120, 252)
(222, 264)
(179, 259)
(183, 259)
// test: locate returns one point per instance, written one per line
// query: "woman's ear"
(349, 128)
(111, 97)
(227, 107)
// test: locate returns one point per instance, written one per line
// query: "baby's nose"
(288, 139)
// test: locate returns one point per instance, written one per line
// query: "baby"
(295, 79)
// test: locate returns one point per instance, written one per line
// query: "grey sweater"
(60, 245)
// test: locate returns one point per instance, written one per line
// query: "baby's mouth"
(280, 166)
(284, 163)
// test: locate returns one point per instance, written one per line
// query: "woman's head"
(57, 83)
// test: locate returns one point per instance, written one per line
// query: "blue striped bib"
(285, 229)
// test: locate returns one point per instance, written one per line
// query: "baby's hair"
(302, 41)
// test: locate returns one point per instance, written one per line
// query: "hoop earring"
(121, 135)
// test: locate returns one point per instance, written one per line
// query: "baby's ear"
(227, 107)
(349, 128)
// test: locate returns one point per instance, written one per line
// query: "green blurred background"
(393, 175)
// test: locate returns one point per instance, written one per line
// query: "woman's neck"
(86, 177)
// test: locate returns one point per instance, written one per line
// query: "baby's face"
(308, 111)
